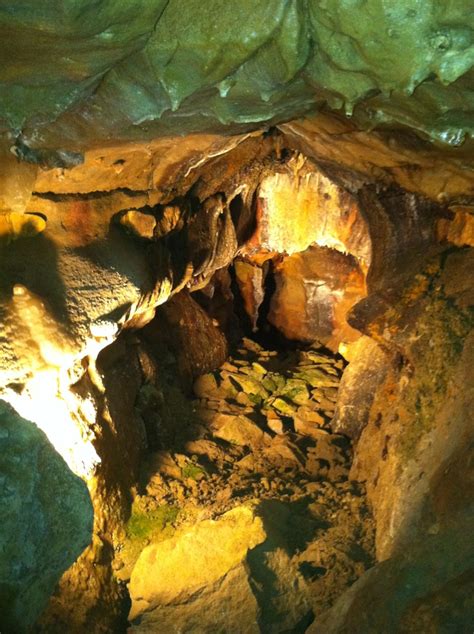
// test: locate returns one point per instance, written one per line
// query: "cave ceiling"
(80, 73)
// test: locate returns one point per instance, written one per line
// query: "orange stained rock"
(460, 229)
(298, 208)
(250, 279)
(315, 291)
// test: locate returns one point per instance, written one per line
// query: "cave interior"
(236, 317)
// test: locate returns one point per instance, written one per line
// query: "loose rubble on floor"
(259, 453)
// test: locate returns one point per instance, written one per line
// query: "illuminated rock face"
(312, 241)
(300, 208)
(314, 292)
(204, 556)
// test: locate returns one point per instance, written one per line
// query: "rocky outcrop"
(183, 328)
(367, 369)
(430, 399)
(322, 213)
(458, 229)
(107, 404)
(46, 520)
(251, 63)
(189, 580)
(415, 456)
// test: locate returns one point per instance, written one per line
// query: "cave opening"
(239, 391)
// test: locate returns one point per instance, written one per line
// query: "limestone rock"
(282, 452)
(314, 291)
(197, 568)
(426, 588)
(205, 386)
(46, 520)
(308, 426)
(459, 229)
(15, 225)
(237, 429)
(322, 214)
(139, 223)
(286, 603)
(62, 290)
(420, 420)
(259, 79)
(184, 328)
(250, 279)
(327, 459)
(378, 156)
(363, 375)
(214, 608)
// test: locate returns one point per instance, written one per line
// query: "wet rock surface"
(258, 444)
(252, 62)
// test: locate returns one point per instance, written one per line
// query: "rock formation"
(236, 316)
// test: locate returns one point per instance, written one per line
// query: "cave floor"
(257, 439)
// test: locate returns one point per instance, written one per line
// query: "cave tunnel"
(236, 310)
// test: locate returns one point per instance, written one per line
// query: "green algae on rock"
(81, 72)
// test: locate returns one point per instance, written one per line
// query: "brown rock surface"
(382, 156)
(314, 292)
(367, 369)
(183, 327)
(427, 589)
(321, 213)
(250, 279)
(459, 229)
(422, 412)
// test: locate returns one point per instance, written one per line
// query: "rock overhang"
(78, 74)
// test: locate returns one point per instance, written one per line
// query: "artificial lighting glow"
(331, 242)
(61, 416)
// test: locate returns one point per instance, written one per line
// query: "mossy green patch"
(193, 471)
(144, 525)
(441, 331)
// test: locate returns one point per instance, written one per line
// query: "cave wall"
(145, 143)
(132, 226)
(415, 456)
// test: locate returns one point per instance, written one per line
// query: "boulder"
(239, 430)
(46, 520)
(184, 328)
(186, 582)
(315, 289)
(366, 371)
